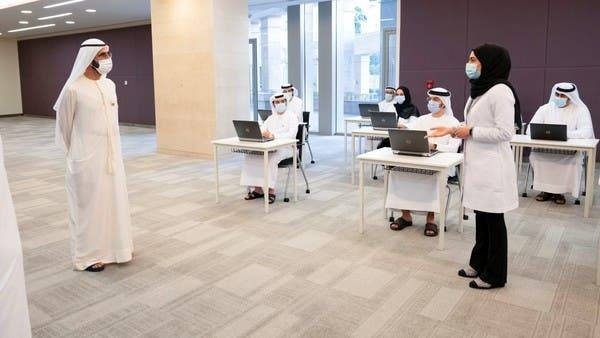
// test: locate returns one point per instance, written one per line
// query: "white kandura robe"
(561, 173)
(14, 314)
(282, 126)
(99, 219)
(419, 192)
(387, 107)
(295, 106)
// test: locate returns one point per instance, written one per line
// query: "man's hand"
(439, 132)
(267, 134)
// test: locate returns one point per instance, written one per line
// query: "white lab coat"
(490, 180)
(14, 314)
(561, 173)
(282, 126)
(419, 191)
(295, 106)
(99, 219)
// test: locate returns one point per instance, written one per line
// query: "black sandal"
(95, 267)
(252, 195)
(431, 230)
(463, 273)
(473, 285)
(272, 198)
(543, 197)
(559, 199)
(400, 224)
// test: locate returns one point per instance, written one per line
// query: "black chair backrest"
(300, 139)
(305, 117)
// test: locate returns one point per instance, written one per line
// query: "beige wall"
(200, 52)
(10, 83)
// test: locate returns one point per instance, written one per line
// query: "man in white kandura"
(415, 190)
(87, 128)
(294, 103)
(559, 172)
(281, 124)
(14, 314)
(389, 99)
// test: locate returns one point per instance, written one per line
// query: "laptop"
(249, 131)
(384, 121)
(366, 109)
(264, 114)
(550, 132)
(410, 142)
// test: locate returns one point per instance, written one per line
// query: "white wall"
(10, 82)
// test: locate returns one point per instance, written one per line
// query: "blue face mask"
(433, 106)
(471, 71)
(560, 102)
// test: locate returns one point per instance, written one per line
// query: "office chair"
(289, 162)
(306, 120)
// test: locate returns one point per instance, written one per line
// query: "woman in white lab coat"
(283, 123)
(417, 190)
(559, 172)
(490, 182)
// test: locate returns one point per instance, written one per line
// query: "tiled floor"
(226, 270)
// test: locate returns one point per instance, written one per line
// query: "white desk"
(439, 163)
(355, 120)
(265, 148)
(360, 133)
(585, 145)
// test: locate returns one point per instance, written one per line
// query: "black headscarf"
(407, 108)
(495, 69)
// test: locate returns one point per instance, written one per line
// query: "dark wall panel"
(46, 63)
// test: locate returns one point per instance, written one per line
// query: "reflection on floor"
(303, 270)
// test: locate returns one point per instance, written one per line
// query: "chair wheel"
(308, 191)
(445, 229)
(466, 217)
(312, 162)
(374, 177)
(286, 200)
(577, 202)
(583, 193)
(524, 194)
(391, 219)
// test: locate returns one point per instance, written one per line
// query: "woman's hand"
(439, 132)
(463, 132)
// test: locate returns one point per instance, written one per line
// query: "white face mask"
(104, 66)
(400, 99)
(389, 97)
(280, 108)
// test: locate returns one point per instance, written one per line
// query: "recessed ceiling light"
(90, 10)
(54, 16)
(0, 33)
(63, 3)
(31, 28)
(70, 22)
(26, 12)
(24, 22)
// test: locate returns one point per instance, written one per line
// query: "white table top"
(358, 119)
(369, 131)
(435, 162)
(260, 146)
(525, 140)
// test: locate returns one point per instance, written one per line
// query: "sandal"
(400, 224)
(463, 273)
(543, 197)
(95, 267)
(271, 198)
(559, 199)
(431, 230)
(484, 286)
(252, 195)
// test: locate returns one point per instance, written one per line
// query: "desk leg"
(295, 164)
(515, 150)
(361, 188)
(266, 179)
(346, 142)
(386, 178)
(461, 210)
(442, 198)
(590, 182)
(216, 159)
(352, 159)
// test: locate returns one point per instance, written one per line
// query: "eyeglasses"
(104, 55)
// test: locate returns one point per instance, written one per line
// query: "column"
(327, 67)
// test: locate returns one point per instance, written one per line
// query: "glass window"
(269, 27)
(311, 63)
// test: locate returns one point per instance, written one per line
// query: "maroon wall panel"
(549, 40)
(46, 63)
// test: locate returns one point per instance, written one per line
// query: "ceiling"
(109, 13)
